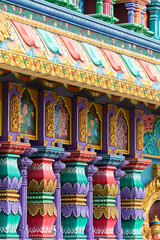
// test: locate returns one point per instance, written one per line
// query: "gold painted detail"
(155, 170)
(5, 30)
(112, 130)
(152, 194)
(106, 84)
(131, 203)
(14, 114)
(42, 208)
(9, 195)
(76, 199)
(82, 125)
(10, 137)
(49, 120)
(155, 226)
(139, 134)
(106, 211)
(106, 190)
(43, 186)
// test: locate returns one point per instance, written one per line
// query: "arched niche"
(28, 116)
(152, 196)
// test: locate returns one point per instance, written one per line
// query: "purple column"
(130, 6)
(143, 15)
(90, 169)
(58, 166)
(23, 163)
(118, 173)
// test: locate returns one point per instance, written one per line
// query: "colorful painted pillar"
(58, 166)
(105, 190)
(130, 6)
(23, 163)
(90, 169)
(118, 173)
(10, 184)
(99, 6)
(132, 195)
(41, 186)
(74, 190)
(154, 19)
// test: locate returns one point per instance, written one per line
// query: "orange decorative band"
(73, 199)
(43, 186)
(131, 203)
(106, 190)
(9, 195)
(106, 211)
(42, 208)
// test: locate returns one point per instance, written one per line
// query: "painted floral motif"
(62, 121)
(28, 113)
(93, 127)
(151, 140)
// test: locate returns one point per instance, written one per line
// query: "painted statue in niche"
(112, 130)
(82, 125)
(28, 114)
(14, 114)
(152, 140)
(122, 132)
(93, 127)
(62, 121)
(139, 134)
(49, 120)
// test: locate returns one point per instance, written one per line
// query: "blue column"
(130, 6)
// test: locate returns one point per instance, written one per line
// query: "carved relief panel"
(14, 113)
(63, 121)
(49, 120)
(118, 130)
(82, 125)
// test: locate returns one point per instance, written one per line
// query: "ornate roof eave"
(43, 68)
(114, 86)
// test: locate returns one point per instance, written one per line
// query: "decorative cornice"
(84, 21)
(137, 163)
(110, 159)
(81, 156)
(13, 147)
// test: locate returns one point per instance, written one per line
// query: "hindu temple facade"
(79, 119)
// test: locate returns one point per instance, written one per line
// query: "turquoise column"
(74, 191)
(154, 19)
(132, 195)
(10, 184)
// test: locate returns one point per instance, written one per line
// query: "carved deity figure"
(49, 120)
(82, 125)
(122, 132)
(14, 114)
